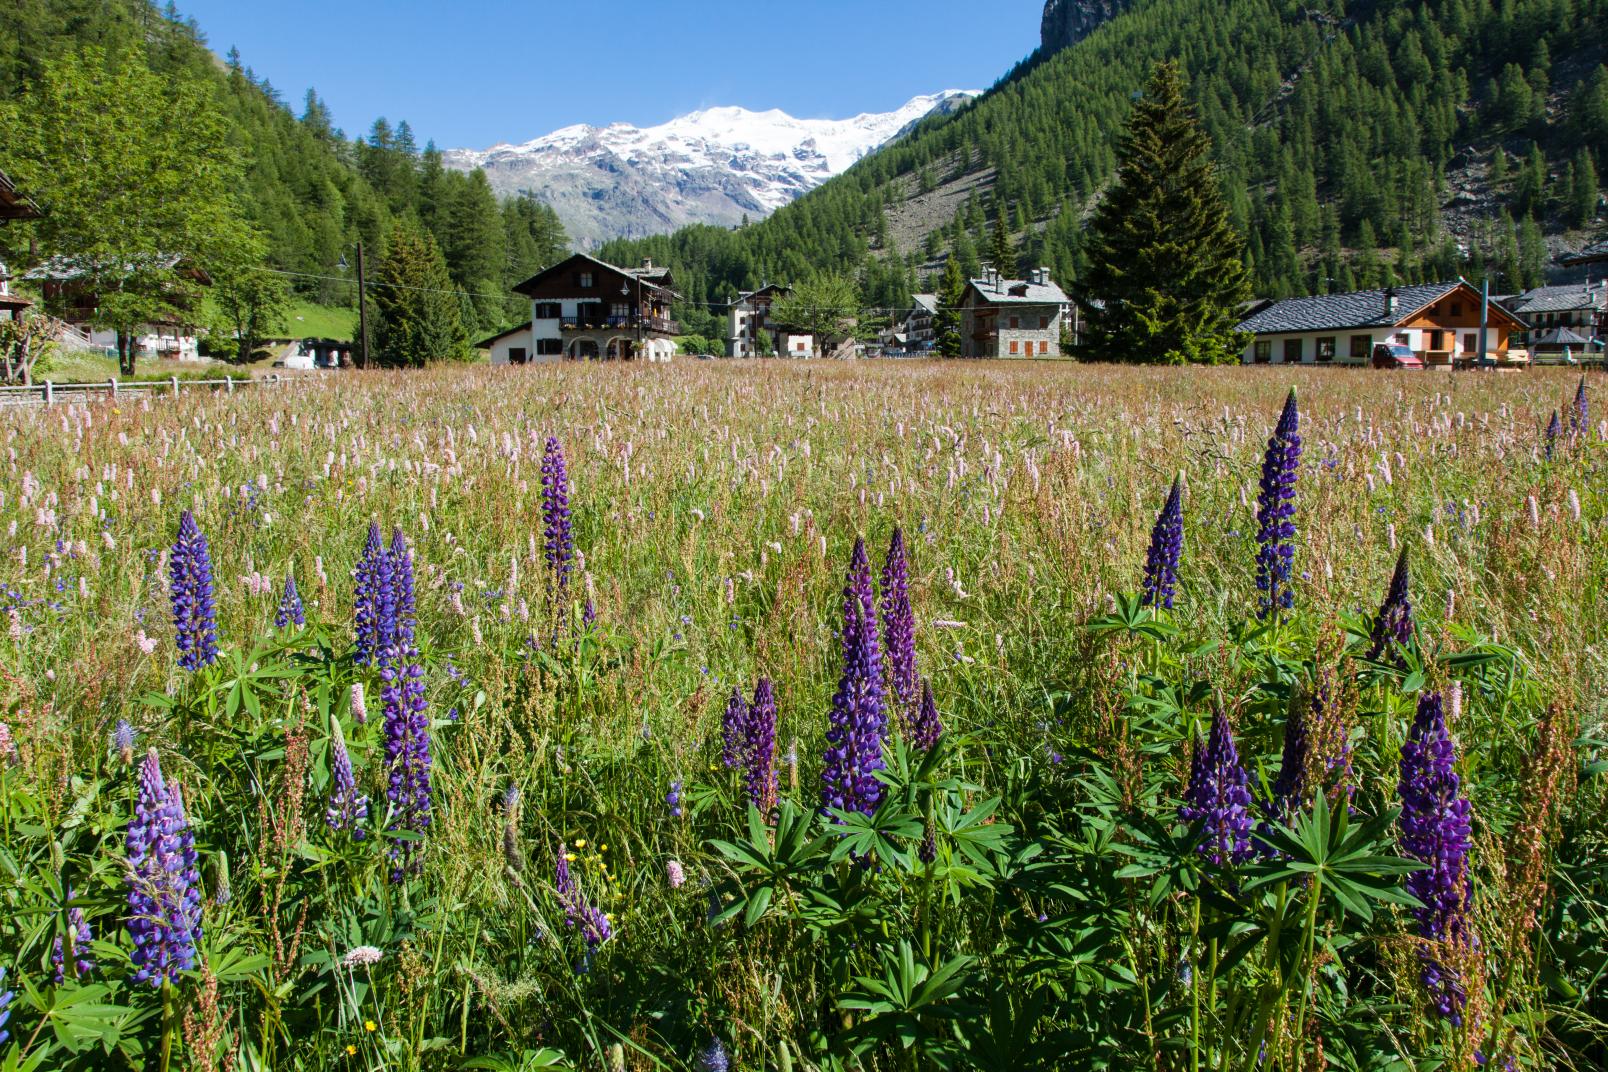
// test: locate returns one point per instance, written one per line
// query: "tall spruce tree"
(419, 317)
(946, 325)
(1000, 251)
(1166, 268)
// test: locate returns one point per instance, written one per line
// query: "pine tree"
(1166, 270)
(418, 319)
(999, 244)
(946, 325)
(1582, 191)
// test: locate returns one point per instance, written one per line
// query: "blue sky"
(472, 73)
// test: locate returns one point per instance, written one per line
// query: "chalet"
(1559, 317)
(12, 306)
(15, 205)
(1440, 322)
(513, 347)
(583, 309)
(915, 331)
(70, 290)
(1012, 317)
(749, 321)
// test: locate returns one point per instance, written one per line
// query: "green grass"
(306, 320)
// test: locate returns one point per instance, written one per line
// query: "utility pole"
(1485, 317)
(362, 311)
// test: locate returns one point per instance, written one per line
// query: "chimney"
(993, 278)
(1044, 277)
(1390, 301)
(647, 264)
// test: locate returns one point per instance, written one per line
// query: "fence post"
(113, 382)
(175, 382)
(50, 393)
(229, 380)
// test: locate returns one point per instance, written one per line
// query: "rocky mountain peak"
(1066, 22)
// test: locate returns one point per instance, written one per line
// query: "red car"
(1395, 356)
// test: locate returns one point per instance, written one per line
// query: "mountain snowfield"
(712, 166)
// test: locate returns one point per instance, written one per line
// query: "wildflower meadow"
(809, 716)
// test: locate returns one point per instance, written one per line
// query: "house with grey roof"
(1012, 317)
(1559, 315)
(1440, 322)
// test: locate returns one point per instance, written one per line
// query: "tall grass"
(715, 508)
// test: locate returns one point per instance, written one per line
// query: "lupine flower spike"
(290, 610)
(578, 912)
(1435, 830)
(195, 619)
(1289, 788)
(348, 809)
(164, 886)
(732, 730)
(1275, 511)
(375, 617)
(1218, 796)
(556, 534)
(1166, 543)
(926, 728)
(1580, 416)
(1554, 432)
(5, 1009)
(759, 748)
(407, 722)
(899, 624)
(79, 937)
(1393, 629)
(858, 721)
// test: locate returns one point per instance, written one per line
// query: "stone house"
(1012, 317)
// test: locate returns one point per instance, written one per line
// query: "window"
(1264, 351)
(1401, 337)
(549, 311)
(1471, 342)
(1292, 351)
(1361, 346)
(1016, 346)
(516, 355)
(1016, 321)
(585, 280)
(621, 310)
(1326, 348)
(549, 347)
(1457, 308)
(1044, 348)
(1044, 323)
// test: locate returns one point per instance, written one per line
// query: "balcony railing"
(660, 324)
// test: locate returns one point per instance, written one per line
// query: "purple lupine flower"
(925, 728)
(1289, 788)
(79, 936)
(348, 809)
(195, 617)
(1580, 416)
(1275, 511)
(899, 623)
(290, 610)
(1554, 432)
(407, 720)
(556, 532)
(1435, 831)
(759, 748)
(588, 615)
(733, 730)
(5, 1009)
(374, 619)
(672, 799)
(1166, 544)
(927, 851)
(164, 885)
(713, 1057)
(578, 911)
(123, 741)
(858, 721)
(1218, 797)
(1393, 629)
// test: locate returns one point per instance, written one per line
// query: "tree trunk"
(125, 353)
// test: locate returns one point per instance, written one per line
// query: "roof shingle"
(1337, 312)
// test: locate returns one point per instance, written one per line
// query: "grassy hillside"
(1452, 134)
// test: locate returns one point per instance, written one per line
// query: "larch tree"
(1166, 271)
(946, 325)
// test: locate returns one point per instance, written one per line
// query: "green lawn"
(309, 321)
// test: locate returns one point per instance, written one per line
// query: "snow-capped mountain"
(713, 166)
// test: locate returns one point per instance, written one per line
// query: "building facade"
(583, 309)
(1554, 312)
(1440, 322)
(12, 306)
(1006, 318)
(752, 332)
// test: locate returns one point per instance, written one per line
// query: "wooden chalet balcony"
(659, 324)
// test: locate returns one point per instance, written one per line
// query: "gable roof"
(1017, 292)
(926, 302)
(770, 289)
(1558, 299)
(1558, 337)
(1596, 253)
(651, 278)
(1356, 309)
(493, 340)
(15, 205)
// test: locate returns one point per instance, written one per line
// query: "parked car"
(1393, 355)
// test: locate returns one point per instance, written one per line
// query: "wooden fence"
(48, 393)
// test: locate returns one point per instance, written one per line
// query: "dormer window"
(586, 280)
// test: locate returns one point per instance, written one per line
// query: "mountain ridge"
(716, 165)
